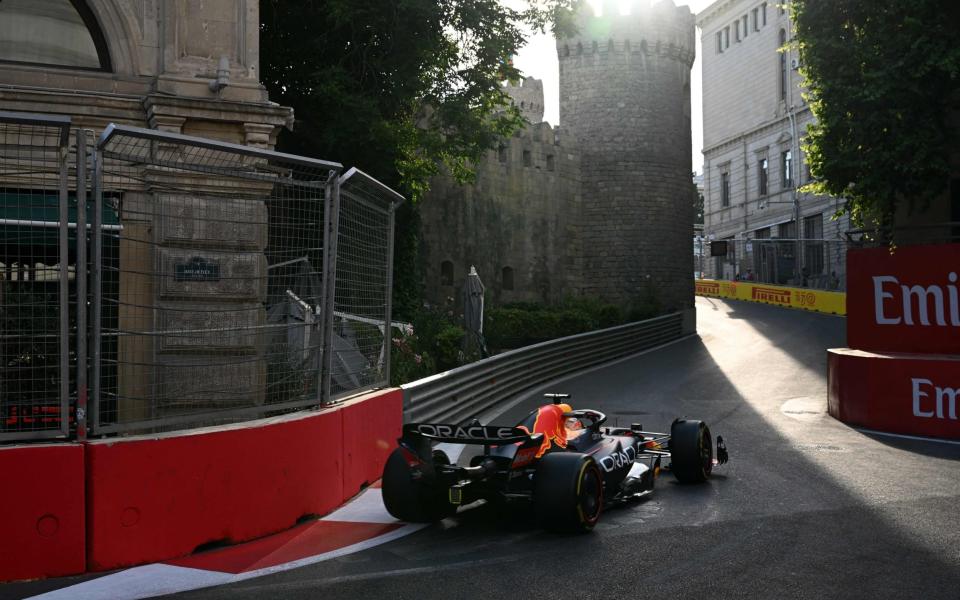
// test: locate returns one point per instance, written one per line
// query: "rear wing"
(466, 434)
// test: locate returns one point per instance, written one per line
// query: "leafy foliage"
(397, 87)
(524, 323)
(882, 77)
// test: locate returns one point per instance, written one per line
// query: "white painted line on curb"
(154, 580)
(366, 508)
(141, 582)
(909, 437)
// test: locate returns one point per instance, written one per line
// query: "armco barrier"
(467, 391)
(153, 498)
(41, 511)
(804, 298)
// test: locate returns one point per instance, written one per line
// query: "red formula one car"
(561, 460)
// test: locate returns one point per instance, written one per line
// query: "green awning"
(31, 218)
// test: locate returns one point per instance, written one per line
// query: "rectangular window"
(813, 245)
(736, 30)
(743, 20)
(527, 158)
(756, 19)
(725, 189)
(719, 42)
(763, 169)
(502, 153)
(762, 234)
(763, 14)
(787, 231)
(787, 247)
(786, 169)
(783, 66)
(726, 37)
(551, 164)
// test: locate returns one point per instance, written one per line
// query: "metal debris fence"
(822, 264)
(35, 352)
(212, 286)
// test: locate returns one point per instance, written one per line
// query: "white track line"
(150, 581)
(909, 437)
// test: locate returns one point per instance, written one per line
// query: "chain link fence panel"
(37, 228)
(813, 263)
(209, 296)
(211, 273)
(360, 334)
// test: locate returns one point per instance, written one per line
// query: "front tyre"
(568, 492)
(691, 451)
(410, 500)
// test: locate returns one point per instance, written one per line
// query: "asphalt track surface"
(807, 507)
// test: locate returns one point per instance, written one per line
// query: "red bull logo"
(551, 423)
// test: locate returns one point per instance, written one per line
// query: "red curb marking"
(288, 546)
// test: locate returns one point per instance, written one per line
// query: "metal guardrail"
(465, 392)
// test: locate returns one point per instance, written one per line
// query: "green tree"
(400, 89)
(397, 87)
(882, 77)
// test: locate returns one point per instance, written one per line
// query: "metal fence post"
(96, 308)
(330, 288)
(80, 277)
(64, 258)
(388, 318)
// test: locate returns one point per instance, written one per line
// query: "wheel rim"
(706, 450)
(591, 494)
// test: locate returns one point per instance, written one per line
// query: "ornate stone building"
(179, 66)
(754, 118)
(148, 63)
(600, 207)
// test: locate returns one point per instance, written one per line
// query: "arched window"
(507, 277)
(446, 273)
(61, 33)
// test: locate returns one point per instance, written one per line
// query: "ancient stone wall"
(518, 221)
(613, 217)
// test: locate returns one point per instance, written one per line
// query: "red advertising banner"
(906, 394)
(904, 301)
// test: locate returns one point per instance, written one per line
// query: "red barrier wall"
(152, 499)
(370, 430)
(904, 301)
(41, 511)
(913, 394)
(120, 502)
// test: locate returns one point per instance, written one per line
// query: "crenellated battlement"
(528, 97)
(650, 29)
(599, 208)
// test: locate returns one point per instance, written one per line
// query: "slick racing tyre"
(691, 451)
(409, 500)
(568, 492)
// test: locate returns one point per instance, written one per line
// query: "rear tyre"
(568, 492)
(691, 451)
(409, 500)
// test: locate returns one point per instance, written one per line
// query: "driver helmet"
(571, 423)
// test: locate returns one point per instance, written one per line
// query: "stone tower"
(625, 98)
(528, 97)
